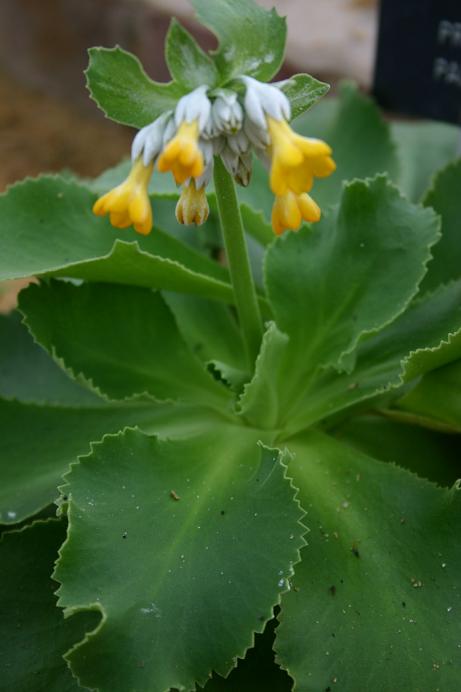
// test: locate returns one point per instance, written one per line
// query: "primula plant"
(229, 454)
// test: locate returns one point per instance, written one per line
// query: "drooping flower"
(290, 209)
(192, 206)
(183, 155)
(128, 204)
(220, 122)
(294, 160)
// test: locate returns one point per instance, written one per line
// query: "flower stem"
(239, 265)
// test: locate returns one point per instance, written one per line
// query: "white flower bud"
(207, 152)
(238, 143)
(150, 139)
(226, 113)
(194, 106)
(263, 100)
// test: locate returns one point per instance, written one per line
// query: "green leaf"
(430, 454)
(260, 401)
(303, 91)
(350, 274)
(257, 672)
(123, 91)
(34, 633)
(360, 138)
(426, 336)
(81, 245)
(29, 374)
(208, 328)
(123, 340)
(423, 148)
(437, 396)
(236, 509)
(445, 198)
(376, 598)
(256, 225)
(251, 39)
(37, 444)
(189, 65)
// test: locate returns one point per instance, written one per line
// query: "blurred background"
(47, 121)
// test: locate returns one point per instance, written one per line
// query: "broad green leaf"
(445, 198)
(208, 328)
(303, 91)
(437, 396)
(251, 39)
(33, 631)
(351, 274)
(120, 87)
(81, 245)
(360, 138)
(430, 454)
(423, 148)
(426, 336)
(189, 65)
(37, 444)
(203, 583)
(260, 401)
(257, 672)
(123, 340)
(28, 373)
(376, 598)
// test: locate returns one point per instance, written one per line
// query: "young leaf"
(33, 631)
(445, 198)
(251, 39)
(353, 273)
(123, 340)
(192, 603)
(189, 65)
(426, 336)
(380, 579)
(123, 91)
(303, 91)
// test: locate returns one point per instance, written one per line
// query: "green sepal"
(189, 65)
(303, 91)
(251, 39)
(122, 90)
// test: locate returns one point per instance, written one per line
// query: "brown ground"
(39, 133)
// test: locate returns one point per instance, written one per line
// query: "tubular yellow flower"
(192, 206)
(182, 155)
(128, 203)
(296, 160)
(290, 209)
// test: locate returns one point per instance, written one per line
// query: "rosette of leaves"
(195, 495)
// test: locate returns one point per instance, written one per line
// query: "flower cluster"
(232, 125)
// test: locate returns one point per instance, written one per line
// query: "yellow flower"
(128, 203)
(296, 160)
(290, 209)
(182, 155)
(192, 206)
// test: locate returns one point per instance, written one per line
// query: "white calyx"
(194, 106)
(262, 101)
(150, 140)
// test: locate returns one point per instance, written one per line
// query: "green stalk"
(239, 265)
